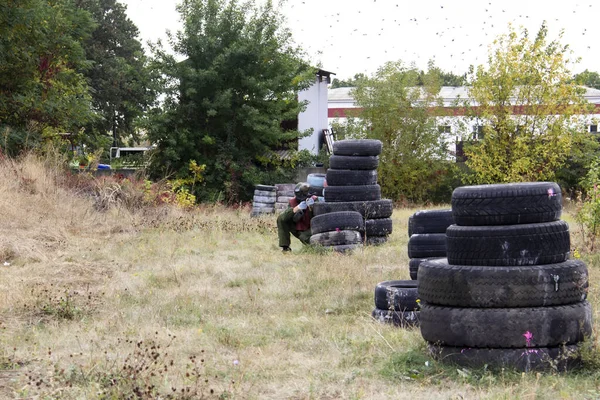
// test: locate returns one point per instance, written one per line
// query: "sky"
(358, 36)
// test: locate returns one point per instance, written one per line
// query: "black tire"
(285, 193)
(378, 227)
(315, 191)
(265, 193)
(427, 245)
(260, 204)
(413, 266)
(403, 319)
(351, 177)
(524, 359)
(353, 162)
(261, 211)
(506, 327)
(507, 204)
(508, 245)
(430, 221)
(352, 193)
(357, 147)
(342, 220)
(285, 187)
(368, 209)
(264, 199)
(376, 240)
(266, 188)
(397, 296)
(336, 238)
(502, 287)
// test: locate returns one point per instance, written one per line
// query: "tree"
(118, 75)
(413, 164)
(41, 57)
(352, 82)
(588, 78)
(531, 110)
(225, 103)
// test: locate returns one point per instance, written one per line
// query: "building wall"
(315, 115)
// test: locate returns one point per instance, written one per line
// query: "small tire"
(508, 245)
(352, 193)
(341, 220)
(357, 147)
(368, 209)
(403, 319)
(353, 162)
(413, 266)
(524, 359)
(397, 296)
(349, 177)
(376, 240)
(267, 188)
(336, 238)
(427, 245)
(430, 221)
(507, 204)
(265, 193)
(285, 193)
(264, 199)
(502, 287)
(378, 227)
(506, 327)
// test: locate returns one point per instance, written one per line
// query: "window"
(444, 129)
(477, 132)
(594, 128)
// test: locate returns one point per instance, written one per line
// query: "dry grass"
(155, 303)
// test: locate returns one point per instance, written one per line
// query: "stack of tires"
(285, 192)
(427, 237)
(264, 199)
(396, 302)
(352, 186)
(507, 295)
(339, 231)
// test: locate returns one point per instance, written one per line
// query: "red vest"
(304, 223)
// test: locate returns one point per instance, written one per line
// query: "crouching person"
(296, 218)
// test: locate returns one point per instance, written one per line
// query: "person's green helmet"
(301, 191)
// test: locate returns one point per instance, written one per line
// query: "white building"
(341, 103)
(315, 116)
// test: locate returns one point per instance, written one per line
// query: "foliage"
(577, 165)
(351, 82)
(396, 111)
(118, 75)
(446, 78)
(531, 111)
(41, 59)
(588, 78)
(224, 104)
(588, 212)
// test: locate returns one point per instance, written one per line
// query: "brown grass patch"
(158, 302)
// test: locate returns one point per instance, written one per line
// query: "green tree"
(41, 88)
(225, 103)
(531, 110)
(414, 164)
(352, 82)
(118, 76)
(588, 78)
(446, 78)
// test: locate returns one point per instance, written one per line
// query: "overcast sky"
(351, 36)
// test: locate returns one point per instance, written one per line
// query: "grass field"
(162, 303)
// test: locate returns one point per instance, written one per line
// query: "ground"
(161, 302)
